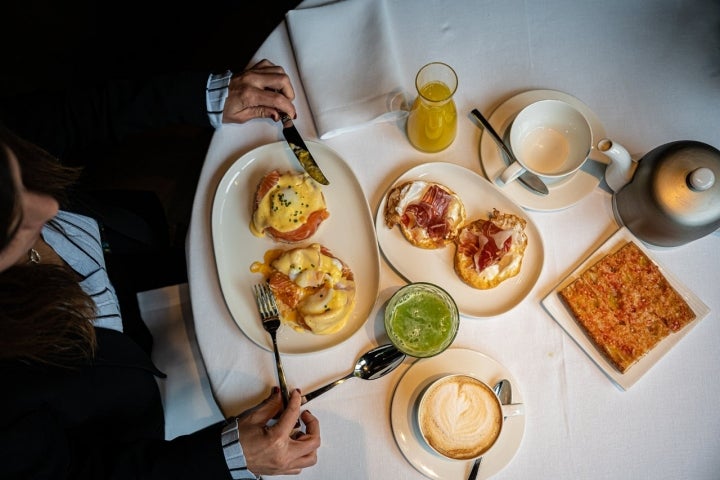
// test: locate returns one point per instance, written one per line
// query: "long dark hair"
(45, 316)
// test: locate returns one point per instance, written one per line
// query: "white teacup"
(460, 417)
(549, 138)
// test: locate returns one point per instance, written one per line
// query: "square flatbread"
(625, 305)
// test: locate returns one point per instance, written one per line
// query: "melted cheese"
(288, 204)
(328, 297)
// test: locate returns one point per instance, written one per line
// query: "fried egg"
(489, 252)
(288, 207)
(429, 214)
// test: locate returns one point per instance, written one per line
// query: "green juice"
(422, 322)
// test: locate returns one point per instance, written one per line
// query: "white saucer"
(563, 194)
(403, 410)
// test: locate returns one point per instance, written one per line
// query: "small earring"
(34, 256)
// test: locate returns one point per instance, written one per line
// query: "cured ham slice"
(490, 251)
(428, 214)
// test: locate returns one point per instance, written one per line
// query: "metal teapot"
(671, 196)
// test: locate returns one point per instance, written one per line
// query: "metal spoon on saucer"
(371, 365)
(503, 391)
(529, 179)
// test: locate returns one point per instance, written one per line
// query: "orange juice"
(432, 123)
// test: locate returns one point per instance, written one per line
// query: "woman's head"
(45, 316)
(31, 184)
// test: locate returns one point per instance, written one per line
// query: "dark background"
(50, 45)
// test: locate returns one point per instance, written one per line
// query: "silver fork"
(267, 306)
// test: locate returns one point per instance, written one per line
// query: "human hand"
(262, 91)
(276, 450)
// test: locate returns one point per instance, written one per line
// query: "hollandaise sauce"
(287, 204)
(314, 291)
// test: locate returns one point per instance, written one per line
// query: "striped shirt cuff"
(215, 95)
(234, 456)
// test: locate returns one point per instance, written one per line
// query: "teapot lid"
(686, 182)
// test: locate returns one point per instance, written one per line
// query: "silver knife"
(301, 150)
(529, 179)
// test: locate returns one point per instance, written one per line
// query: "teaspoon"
(502, 390)
(531, 180)
(373, 364)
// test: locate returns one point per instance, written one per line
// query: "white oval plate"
(562, 194)
(407, 433)
(348, 233)
(436, 266)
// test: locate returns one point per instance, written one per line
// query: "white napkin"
(346, 59)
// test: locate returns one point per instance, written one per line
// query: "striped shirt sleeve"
(233, 451)
(215, 94)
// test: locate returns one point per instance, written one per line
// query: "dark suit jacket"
(99, 421)
(83, 126)
(103, 112)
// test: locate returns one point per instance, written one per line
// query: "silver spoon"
(502, 391)
(373, 364)
(532, 181)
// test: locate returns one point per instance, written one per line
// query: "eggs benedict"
(288, 207)
(315, 290)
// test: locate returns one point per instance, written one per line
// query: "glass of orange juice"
(432, 122)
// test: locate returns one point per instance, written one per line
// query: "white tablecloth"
(650, 70)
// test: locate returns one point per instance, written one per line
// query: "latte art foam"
(460, 417)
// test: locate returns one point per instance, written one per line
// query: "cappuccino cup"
(549, 138)
(460, 417)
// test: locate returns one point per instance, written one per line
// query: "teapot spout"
(621, 168)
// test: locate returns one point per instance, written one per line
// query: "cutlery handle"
(475, 469)
(476, 113)
(316, 393)
(281, 374)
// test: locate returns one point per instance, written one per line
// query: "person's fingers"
(312, 425)
(265, 410)
(270, 80)
(245, 103)
(266, 74)
(263, 63)
(272, 101)
(269, 407)
(305, 445)
(288, 419)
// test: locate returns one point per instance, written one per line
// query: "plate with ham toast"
(437, 187)
(624, 309)
(347, 232)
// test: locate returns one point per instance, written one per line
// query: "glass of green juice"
(421, 319)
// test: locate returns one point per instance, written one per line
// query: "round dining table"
(644, 73)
